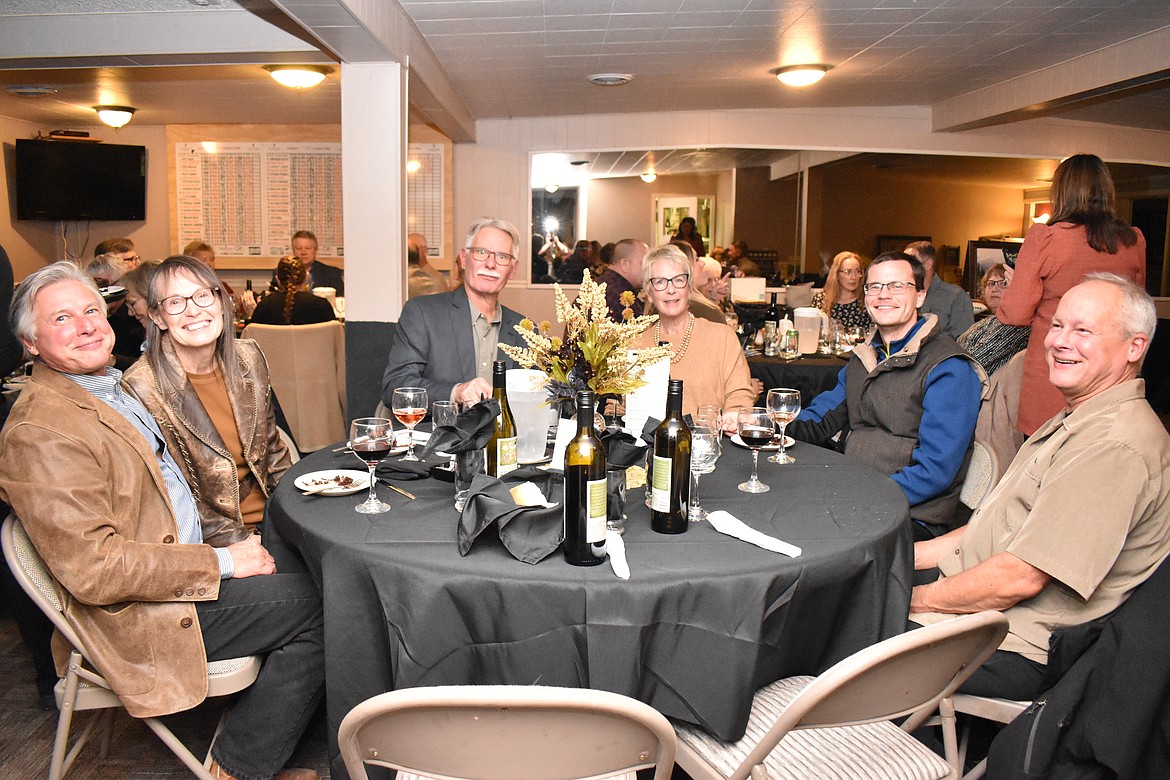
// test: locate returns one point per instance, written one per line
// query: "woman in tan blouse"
(706, 355)
(210, 394)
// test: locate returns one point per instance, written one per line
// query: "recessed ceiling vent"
(610, 79)
(30, 91)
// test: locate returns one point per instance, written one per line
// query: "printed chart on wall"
(424, 194)
(247, 199)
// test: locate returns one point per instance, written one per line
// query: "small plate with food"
(334, 482)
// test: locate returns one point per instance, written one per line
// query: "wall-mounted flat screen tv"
(79, 180)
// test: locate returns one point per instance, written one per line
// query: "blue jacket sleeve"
(949, 410)
(824, 417)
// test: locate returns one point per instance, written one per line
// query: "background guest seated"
(292, 303)
(841, 299)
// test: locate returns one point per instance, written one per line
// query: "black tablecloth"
(811, 375)
(703, 621)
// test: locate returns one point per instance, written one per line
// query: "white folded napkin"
(615, 547)
(727, 523)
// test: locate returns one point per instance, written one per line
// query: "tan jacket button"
(203, 591)
(190, 591)
(179, 593)
(186, 622)
(168, 539)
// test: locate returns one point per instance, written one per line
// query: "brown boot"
(219, 773)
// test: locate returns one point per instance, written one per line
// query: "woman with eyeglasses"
(292, 303)
(210, 394)
(992, 287)
(841, 299)
(1083, 235)
(705, 355)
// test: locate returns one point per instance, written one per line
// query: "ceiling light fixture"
(610, 79)
(30, 90)
(800, 75)
(649, 176)
(298, 76)
(551, 187)
(115, 116)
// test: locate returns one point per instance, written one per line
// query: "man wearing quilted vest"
(907, 400)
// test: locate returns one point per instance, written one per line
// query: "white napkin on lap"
(615, 547)
(727, 523)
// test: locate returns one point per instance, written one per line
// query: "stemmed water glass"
(705, 449)
(755, 430)
(709, 416)
(444, 413)
(370, 438)
(409, 405)
(783, 406)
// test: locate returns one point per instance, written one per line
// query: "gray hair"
(669, 252)
(22, 316)
(170, 379)
(498, 224)
(108, 267)
(711, 266)
(1136, 312)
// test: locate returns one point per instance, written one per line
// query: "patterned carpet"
(26, 732)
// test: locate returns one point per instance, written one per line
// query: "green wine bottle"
(502, 455)
(585, 490)
(671, 486)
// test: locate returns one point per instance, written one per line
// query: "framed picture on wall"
(983, 254)
(896, 243)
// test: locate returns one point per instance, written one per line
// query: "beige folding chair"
(837, 725)
(986, 707)
(506, 732)
(306, 364)
(84, 689)
(293, 454)
(983, 473)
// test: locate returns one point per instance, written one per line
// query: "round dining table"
(810, 374)
(702, 622)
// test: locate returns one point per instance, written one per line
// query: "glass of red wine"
(755, 430)
(409, 405)
(371, 438)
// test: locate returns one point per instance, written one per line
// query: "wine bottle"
(672, 466)
(772, 316)
(585, 490)
(502, 455)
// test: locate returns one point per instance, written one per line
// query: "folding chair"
(837, 725)
(84, 689)
(506, 732)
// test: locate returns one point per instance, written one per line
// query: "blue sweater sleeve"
(949, 410)
(825, 416)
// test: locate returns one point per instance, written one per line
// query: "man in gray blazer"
(446, 342)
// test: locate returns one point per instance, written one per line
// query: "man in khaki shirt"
(1082, 516)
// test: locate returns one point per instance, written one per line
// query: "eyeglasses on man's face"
(177, 304)
(482, 255)
(678, 282)
(996, 283)
(894, 288)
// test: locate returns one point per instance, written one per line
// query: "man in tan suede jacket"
(85, 468)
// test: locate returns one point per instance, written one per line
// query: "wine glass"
(705, 450)
(409, 405)
(709, 416)
(370, 438)
(783, 406)
(444, 413)
(755, 430)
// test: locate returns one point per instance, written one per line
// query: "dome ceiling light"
(800, 75)
(298, 76)
(115, 116)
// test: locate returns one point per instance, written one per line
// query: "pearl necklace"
(686, 339)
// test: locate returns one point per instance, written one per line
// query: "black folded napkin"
(529, 533)
(402, 470)
(471, 431)
(623, 450)
(652, 424)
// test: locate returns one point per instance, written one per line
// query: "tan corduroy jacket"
(90, 493)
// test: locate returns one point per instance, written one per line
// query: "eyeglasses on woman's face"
(996, 283)
(849, 271)
(678, 282)
(175, 305)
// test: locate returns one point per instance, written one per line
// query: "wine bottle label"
(660, 496)
(596, 495)
(507, 456)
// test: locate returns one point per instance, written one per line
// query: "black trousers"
(278, 616)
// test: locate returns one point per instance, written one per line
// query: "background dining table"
(703, 621)
(810, 374)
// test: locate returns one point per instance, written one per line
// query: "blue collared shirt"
(108, 388)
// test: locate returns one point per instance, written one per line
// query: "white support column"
(373, 139)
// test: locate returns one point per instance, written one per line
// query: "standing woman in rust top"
(1083, 236)
(209, 392)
